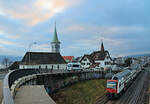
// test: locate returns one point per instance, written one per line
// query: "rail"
(9, 79)
(21, 81)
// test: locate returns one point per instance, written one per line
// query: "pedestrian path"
(1, 90)
(33, 95)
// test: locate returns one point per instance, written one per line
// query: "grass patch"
(86, 92)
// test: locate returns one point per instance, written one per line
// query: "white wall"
(102, 62)
(43, 66)
(85, 63)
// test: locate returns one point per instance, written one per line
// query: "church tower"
(102, 47)
(55, 44)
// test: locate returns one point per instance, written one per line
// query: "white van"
(74, 67)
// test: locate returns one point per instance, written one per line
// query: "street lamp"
(30, 45)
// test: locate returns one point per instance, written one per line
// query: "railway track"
(135, 94)
(102, 100)
(143, 97)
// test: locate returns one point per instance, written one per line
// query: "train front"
(112, 88)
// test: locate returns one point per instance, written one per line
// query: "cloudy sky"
(124, 26)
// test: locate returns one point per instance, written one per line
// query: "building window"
(88, 63)
(53, 46)
(82, 63)
(84, 59)
(107, 63)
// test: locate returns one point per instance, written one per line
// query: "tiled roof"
(70, 58)
(42, 58)
(96, 55)
(99, 55)
(89, 58)
(78, 58)
(94, 65)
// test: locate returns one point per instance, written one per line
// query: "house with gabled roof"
(97, 59)
(86, 61)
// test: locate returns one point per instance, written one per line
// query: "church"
(45, 60)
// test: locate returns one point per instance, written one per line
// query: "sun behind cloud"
(54, 6)
(33, 12)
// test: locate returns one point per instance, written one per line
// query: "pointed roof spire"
(102, 47)
(55, 38)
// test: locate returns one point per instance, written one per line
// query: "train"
(119, 83)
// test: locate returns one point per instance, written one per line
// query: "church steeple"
(55, 44)
(102, 47)
(55, 38)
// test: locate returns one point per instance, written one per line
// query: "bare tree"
(6, 62)
(128, 61)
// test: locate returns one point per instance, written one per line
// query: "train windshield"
(111, 84)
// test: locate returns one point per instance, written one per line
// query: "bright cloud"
(3, 33)
(1, 12)
(124, 26)
(6, 42)
(36, 11)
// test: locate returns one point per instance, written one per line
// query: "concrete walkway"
(33, 95)
(1, 90)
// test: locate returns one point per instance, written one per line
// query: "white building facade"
(105, 63)
(97, 59)
(42, 60)
(45, 66)
(86, 61)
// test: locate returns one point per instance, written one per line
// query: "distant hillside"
(11, 58)
(139, 55)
